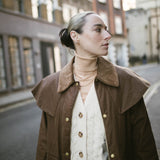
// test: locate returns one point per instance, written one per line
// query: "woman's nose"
(108, 36)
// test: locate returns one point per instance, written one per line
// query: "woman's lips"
(106, 45)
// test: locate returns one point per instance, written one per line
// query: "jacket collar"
(106, 73)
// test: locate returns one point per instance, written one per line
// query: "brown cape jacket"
(120, 94)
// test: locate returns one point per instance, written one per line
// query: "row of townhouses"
(30, 48)
(29, 43)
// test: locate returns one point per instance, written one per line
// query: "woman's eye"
(98, 30)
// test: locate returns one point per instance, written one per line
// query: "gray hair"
(77, 22)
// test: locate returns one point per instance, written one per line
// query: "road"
(19, 126)
(18, 133)
(152, 97)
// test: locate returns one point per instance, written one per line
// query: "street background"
(30, 49)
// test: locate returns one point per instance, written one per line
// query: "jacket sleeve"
(144, 147)
(42, 139)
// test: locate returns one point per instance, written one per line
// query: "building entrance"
(48, 60)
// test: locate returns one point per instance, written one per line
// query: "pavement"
(15, 99)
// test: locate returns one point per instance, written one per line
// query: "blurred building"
(113, 15)
(29, 43)
(143, 26)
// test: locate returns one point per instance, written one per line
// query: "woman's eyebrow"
(100, 25)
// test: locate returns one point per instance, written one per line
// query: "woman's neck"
(85, 71)
(86, 64)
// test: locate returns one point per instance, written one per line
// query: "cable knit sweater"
(88, 140)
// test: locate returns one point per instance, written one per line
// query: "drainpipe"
(150, 38)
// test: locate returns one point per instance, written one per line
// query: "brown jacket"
(120, 94)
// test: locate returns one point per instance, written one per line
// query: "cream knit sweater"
(88, 140)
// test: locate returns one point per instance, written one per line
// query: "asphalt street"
(19, 126)
(152, 97)
(19, 132)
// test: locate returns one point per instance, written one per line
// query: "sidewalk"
(143, 66)
(15, 98)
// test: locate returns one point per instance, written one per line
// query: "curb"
(151, 91)
(16, 105)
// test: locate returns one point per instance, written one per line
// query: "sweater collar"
(106, 73)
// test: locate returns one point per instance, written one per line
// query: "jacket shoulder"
(45, 93)
(131, 87)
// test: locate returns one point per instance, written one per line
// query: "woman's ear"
(74, 36)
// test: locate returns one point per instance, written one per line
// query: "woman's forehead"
(93, 19)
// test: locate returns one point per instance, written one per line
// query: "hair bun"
(65, 38)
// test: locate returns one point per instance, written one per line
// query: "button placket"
(104, 115)
(80, 134)
(80, 115)
(81, 154)
(112, 155)
(67, 154)
(67, 119)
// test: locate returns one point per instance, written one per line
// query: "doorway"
(48, 60)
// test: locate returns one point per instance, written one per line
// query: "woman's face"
(94, 39)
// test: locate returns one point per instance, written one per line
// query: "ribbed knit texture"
(85, 71)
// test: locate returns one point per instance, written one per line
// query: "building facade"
(29, 44)
(138, 34)
(144, 36)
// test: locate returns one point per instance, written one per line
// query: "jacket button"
(81, 154)
(67, 119)
(104, 115)
(80, 115)
(80, 134)
(112, 156)
(67, 154)
(77, 83)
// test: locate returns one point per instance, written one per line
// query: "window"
(35, 8)
(102, 1)
(104, 17)
(20, 5)
(15, 63)
(117, 4)
(50, 10)
(0, 3)
(2, 68)
(118, 25)
(28, 60)
(68, 12)
(57, 58)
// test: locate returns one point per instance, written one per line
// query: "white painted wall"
(138, 34)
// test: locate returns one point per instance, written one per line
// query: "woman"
(92, 109)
